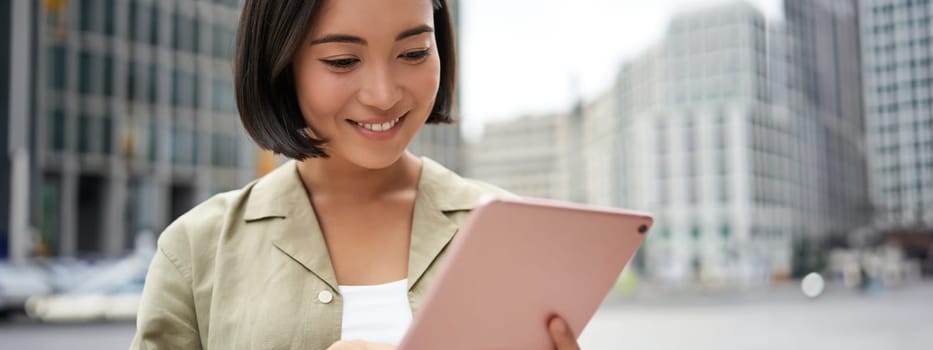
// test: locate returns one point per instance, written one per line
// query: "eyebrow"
(350, 39)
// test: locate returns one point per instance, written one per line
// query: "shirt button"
(325, 297)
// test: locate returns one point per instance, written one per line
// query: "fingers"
(562, 335)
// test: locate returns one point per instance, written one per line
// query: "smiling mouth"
(379, 127)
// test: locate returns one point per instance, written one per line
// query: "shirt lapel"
(431, 232)
(441, 192)
(280, 201)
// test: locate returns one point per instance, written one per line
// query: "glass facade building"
(134, 118)
(897, 51)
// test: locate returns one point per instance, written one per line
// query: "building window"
(85, 126)
(184, 89)
(694, 190)
(89, 19)
(152, 83)
(181, 144)
(222, 42)
(664, 193)
(57, 130)
(179, 31)
(134, 32)
(49, 204)
(690, 135)
(662, 138)
(222, 97)
(223, 150)
(723, 163)
(57, 67)
(692, 164)
(153, 140)
(216, 149)
(154, 25)
(108, 76)
(195, 141)
(663, 167)
(86, 73)
(131, 81)
(109, 17)
(723, 189)
(106, 129)
(185, 33)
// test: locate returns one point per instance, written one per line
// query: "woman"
(336, 248)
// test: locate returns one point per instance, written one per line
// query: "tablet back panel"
(515, 263)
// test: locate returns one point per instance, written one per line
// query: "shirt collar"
(276, 194)
(281, 194)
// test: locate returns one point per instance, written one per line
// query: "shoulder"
(200, 228)
(486, 189)
(450, 191)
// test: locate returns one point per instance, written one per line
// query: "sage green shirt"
(246, 268)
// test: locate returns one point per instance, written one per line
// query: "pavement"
(779, 318)
(782, 318)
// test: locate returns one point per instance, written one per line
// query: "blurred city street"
(24, 334)
(782, 318)
(775, 319)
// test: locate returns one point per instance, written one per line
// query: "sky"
(520, 57)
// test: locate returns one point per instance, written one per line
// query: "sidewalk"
(780, 318)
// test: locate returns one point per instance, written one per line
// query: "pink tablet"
(516, 262)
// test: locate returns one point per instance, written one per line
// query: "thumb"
(562, 335)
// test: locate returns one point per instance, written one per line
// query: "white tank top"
(376, 313)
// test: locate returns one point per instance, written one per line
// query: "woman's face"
(367, 76)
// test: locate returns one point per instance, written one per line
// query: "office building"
(527, 156)
(700, 148)
(131, 119)
(897, 66)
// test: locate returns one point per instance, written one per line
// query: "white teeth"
(379, 127)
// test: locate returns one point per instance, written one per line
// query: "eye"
(341, 63)
(415, 56)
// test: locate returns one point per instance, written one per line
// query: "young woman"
(334, 249)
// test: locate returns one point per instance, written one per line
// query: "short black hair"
(269, 34)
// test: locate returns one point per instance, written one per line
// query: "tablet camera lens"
(642, 229)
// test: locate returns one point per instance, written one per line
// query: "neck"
(338, 179)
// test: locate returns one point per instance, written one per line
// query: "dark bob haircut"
(269, 34)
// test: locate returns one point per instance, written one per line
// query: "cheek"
(428, 78)
(321, 95)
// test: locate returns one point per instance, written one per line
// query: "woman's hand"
(562, 335)
(360, 345)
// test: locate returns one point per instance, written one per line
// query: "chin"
(375, 161)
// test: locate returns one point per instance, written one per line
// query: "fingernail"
(559, 326)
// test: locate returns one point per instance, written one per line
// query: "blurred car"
(102, 290)
(71, 289)
(19, 282)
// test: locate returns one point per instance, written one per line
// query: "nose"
(380, 90)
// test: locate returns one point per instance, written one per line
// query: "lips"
(379, 127)
(378, 130)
